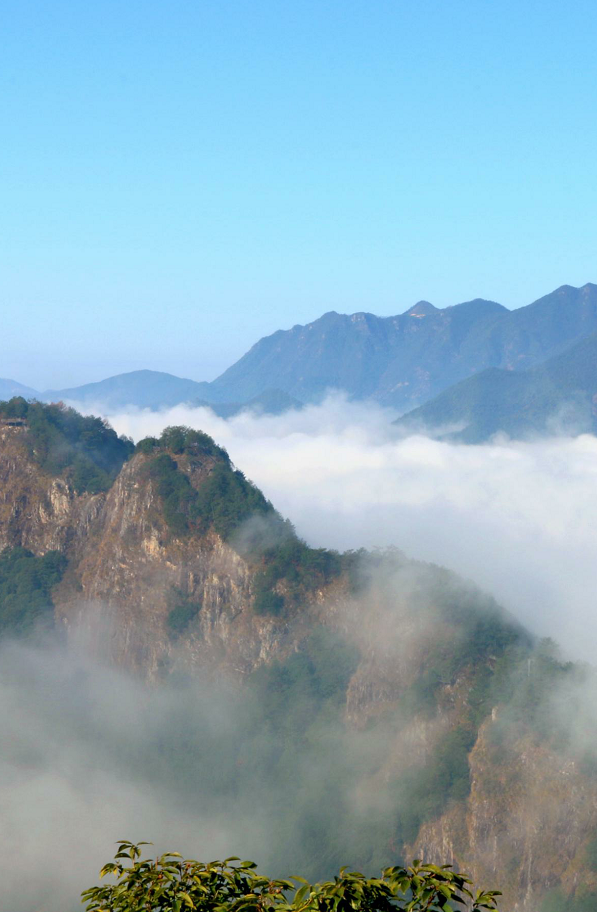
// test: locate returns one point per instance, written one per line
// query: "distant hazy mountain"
(10, 388)
(405, 360)
(143, 388)
(557, 396)
(270, 402)
(402, 361)
(154, 390)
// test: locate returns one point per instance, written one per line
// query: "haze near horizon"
(182, 183)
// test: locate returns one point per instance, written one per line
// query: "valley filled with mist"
(180, 663)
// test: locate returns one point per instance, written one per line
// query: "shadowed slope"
(559, 396)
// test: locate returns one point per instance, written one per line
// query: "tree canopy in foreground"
(170, 883)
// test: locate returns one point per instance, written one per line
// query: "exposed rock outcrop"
(530, 810)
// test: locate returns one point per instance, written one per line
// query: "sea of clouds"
(519, 518)
(81, 744)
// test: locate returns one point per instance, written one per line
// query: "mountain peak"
(10, 388)
(477, 305)
(421, 309)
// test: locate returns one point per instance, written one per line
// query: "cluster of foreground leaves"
(171, 884)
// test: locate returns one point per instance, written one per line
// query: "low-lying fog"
(518, 518)
(88, 755)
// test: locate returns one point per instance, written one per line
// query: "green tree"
(26, 583)
(62, 441)
(171, 884)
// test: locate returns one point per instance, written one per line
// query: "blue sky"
(179, 179)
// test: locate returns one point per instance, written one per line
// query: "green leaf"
(301, 893)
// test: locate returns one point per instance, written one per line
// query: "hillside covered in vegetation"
(60, 440)
(359, 707)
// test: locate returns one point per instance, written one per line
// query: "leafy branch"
(170, 883)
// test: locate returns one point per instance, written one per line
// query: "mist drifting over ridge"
(519, 518)
(91, 751)
(260, 769)
(268, 773)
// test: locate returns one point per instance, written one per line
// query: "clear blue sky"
(180, 178)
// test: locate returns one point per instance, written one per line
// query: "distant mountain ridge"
(270, 402)
(401, 361)
(142, 388)
(156, 390)
(559, 396)
(405, 360)
(365, 355)
(10, 388)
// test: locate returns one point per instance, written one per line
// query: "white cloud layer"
(518, 518)
(89, 755)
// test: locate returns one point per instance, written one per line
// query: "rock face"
(525, 824)
(37, 511)
(531, 809)
(548, 801)
(125, 566)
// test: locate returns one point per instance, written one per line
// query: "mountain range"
(405, 360)
(485, 356)
(148, 389)
(155, 390)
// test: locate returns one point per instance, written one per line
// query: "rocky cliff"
(466, 764)
(127, 568)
